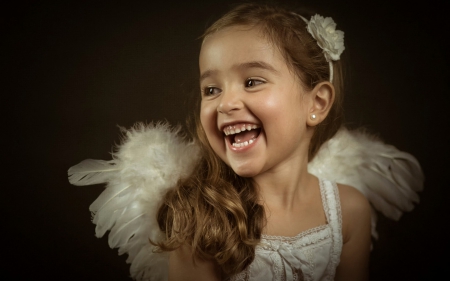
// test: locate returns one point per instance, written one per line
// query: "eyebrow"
(207, 74)
(245, 65)
(257, 64)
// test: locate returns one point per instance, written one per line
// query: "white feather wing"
(389, 178)
(153, 158)
(149, 162)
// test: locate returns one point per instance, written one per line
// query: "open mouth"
(241, 135)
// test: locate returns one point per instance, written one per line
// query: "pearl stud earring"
(313, 116)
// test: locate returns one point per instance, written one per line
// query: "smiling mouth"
(241, 135)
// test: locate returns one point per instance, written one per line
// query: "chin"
(246, 172)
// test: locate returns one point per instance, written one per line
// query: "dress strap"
(332, 208)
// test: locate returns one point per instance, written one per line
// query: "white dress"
(311, 255)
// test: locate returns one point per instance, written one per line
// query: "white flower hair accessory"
(330, 40)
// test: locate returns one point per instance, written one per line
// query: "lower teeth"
(242, 144)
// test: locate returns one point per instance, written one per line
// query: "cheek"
(282, 114)
(208, 119)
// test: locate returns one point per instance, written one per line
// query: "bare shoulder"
(356, 224)
(352, 199)
(355, 209)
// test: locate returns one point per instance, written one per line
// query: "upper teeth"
(231, 130)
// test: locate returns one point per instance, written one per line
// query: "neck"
(283, 186)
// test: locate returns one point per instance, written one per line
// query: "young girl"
(271, 98)
(267, 106)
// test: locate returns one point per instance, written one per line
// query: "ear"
(321, 100)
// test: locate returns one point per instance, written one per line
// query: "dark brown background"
(73, 71)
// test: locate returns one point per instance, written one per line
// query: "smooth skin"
(245, 80)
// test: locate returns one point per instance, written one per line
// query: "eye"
(253, 82)
(210, 91)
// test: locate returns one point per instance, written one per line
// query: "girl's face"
(253, 107)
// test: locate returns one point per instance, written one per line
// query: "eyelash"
(255, 82)
(207, 91)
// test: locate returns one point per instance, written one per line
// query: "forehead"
(238, 44)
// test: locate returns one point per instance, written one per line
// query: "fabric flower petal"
(330, 40)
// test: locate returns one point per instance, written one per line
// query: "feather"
(91, 171)
(389, 178)
(148, 163)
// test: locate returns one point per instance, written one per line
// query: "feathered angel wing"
(150, 161)
(389, 178)
(153, 158)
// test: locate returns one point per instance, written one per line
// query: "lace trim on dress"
(305, 238)
(241, 276)
(334, 217)
(290, 239)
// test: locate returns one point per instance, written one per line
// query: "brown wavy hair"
(215, 211)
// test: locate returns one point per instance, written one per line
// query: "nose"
(230, 101)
